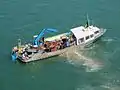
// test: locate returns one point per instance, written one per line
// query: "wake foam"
(78, 59)
(110, 86)
(109, 39)
(91, 64)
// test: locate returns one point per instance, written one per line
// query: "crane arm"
(49, 30)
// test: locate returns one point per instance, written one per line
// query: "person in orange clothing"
(53, 46)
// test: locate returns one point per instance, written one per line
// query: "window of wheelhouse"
(91, 35)
(96, 32)
(81, 40)
(87, 37)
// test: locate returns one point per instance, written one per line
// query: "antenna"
(19, 43)
(88, 21)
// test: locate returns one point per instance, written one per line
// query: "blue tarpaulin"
(14, 56)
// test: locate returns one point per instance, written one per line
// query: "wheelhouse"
(83, 35)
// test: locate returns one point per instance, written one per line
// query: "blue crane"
(40, 35)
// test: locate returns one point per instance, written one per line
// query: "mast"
(87, 22)
(19, 43)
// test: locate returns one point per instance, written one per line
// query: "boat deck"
(39, 56)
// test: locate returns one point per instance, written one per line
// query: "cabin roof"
(81, 31)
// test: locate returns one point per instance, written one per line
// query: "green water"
(25, 18)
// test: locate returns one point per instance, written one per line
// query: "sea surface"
(93, 68)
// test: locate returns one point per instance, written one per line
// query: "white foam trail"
(77, 59)
(91, 65)
(112, 83)
(109, 39)
(86, 87)
(109, 86)
(105, 87)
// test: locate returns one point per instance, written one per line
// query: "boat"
(43, 48)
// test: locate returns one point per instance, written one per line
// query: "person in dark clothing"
(74, 38)
(64, 42)
(67, 43)
(43, 40)
(45, 45)
(46, 48)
